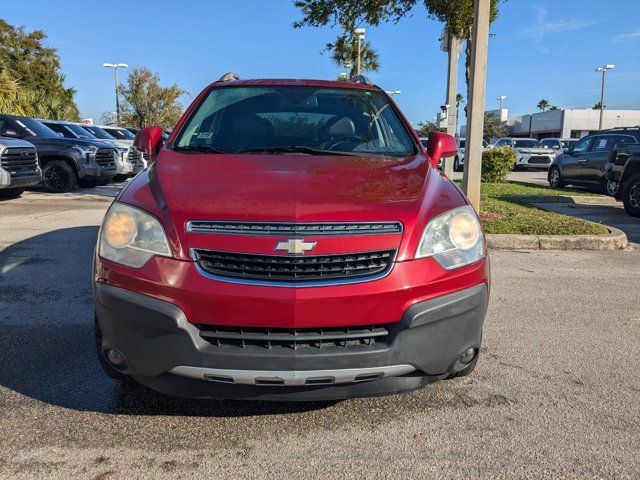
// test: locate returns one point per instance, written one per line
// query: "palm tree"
(597, 106)
(543, 104)
(345, 49)
(553, 107)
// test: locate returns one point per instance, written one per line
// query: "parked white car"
(458, 161)
(559, 145)
(530, 153)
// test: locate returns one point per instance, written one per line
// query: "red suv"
(292, 240)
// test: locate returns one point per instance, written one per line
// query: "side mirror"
(8, 133)
(149, 140)
(440, 145)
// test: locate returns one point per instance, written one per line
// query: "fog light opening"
(116, 359)
(468, 355)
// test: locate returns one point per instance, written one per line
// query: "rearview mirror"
(8, 133)
(149, 141)
(440, 145)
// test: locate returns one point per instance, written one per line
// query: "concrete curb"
(614, 240)
(578, 199)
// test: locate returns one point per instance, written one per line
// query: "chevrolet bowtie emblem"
(295, 246)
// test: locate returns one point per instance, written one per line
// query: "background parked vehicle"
(530, 153)
(559, 145)
(588, 160)
(126, 164)
(65, 162)
(623, 171)
(119, 133)
(19, 167)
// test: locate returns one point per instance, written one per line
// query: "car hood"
(67, 142)
(536, 150)
(289, 187)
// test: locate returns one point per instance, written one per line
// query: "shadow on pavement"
(47, 349)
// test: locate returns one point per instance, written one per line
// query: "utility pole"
(453, 49)
(603, 69)
(115, 67)
(360, 33)
(475, 121)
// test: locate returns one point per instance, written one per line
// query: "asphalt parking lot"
(555, 395)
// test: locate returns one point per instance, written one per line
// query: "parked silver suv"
(530, 153)
(19, 167)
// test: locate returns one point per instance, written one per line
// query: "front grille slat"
(294, 339)
(19, 161)
(257, 228)
(278, 268)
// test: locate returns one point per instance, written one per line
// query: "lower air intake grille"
(279, 268)
(294, 339)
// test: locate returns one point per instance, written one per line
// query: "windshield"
(120, 134)
(526, 144)
(79, 131)
(36, 128)
(312, 120)
(98, 132)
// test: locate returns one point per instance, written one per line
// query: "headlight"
(85, 149)
(130, 236)
(454, 239)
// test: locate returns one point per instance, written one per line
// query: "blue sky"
(547, 49)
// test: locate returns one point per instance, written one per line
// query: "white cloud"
(544, 26)
(627, 37)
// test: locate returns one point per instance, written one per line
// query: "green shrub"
(497, 163)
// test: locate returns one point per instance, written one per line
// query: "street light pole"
(115, 67)
(603, 69)
(501, 98)
(360, 33)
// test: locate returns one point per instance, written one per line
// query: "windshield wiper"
(200, 149)
(297, 149)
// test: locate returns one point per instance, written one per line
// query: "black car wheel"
(611, 188)
(11, 192)
(631, 195)
(555, 178)
(456, 164)
(59, 177)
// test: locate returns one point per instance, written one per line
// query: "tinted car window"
(526, 143)
(236, 119)
(582, 145)
(120, 134)
(603, 144)
(626, 139)
(35, 128)
(98, 132)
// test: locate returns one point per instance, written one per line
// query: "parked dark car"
(589, 158)
(65, 162)
(19, 167)
(623, 176)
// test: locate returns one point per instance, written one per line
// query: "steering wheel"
(346, 139)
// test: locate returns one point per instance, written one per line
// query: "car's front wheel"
(555, 178)
(631, 195)
(611, 187)
(59, 177)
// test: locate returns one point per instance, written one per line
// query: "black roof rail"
(623, 128)
(360, 79)
(228, 77)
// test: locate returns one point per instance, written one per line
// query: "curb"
(577, 199)
(614, 240)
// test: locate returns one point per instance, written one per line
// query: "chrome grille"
(105, 156)
(19, 161)
(294, 270)
(275, 228)
(134, 156)
(293, 338)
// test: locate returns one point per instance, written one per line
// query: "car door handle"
(582, 160)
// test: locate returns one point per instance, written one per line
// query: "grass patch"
(504, 209)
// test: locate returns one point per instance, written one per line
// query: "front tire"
(555, 178)
(11, 192)
(59, 177)
(631, 195)
(456, 165)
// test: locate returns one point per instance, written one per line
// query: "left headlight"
(131, 237)
(454, 239)
(85, 149)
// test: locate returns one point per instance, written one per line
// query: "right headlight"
(454, 239)
(131, 237)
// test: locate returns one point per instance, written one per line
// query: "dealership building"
(565, 123)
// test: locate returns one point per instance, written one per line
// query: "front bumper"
(542, 162)
(26, 180)
(164, 351)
